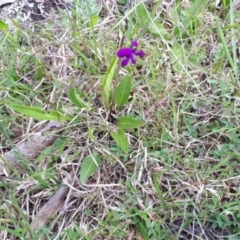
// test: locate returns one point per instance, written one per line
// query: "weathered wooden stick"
(52, 206)
(34, 144)
(29, 148)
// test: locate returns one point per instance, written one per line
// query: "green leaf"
(120, 139)
(158, 29)
(75, 98)
(94, 20)
(143, 14)
(129, 123)
(89, 166)
(37, 113)
(122, 91)
(4, 29)
(91, 134)
(224, 43)
(178, 57)
(197, 7)
(3, 26)
(107, 81)
(122, 1)
(38, 74)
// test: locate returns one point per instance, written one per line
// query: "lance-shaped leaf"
(120, 139)
(38, 113)
(89, 166)
(129, 123)
(122, 91)
(76, 99)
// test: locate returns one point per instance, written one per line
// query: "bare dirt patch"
(31, 10)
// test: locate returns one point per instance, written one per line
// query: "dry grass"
(180, 179)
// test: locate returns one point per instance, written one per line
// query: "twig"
(52, 206)
(29, 148)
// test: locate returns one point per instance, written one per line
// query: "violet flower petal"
(129, 54)
(140, 53)
(133, 59)
(124, 52)
(125, 62)
(134, 44)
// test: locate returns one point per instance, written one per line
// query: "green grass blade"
(224, 43)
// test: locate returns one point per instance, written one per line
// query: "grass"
(175, 177)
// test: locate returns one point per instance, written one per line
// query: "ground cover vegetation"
(147, 95)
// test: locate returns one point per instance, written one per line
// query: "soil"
(31, 10)
(40, 10)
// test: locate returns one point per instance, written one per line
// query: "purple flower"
(129, 54)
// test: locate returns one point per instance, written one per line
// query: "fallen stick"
(29, 148)
(52, 206)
